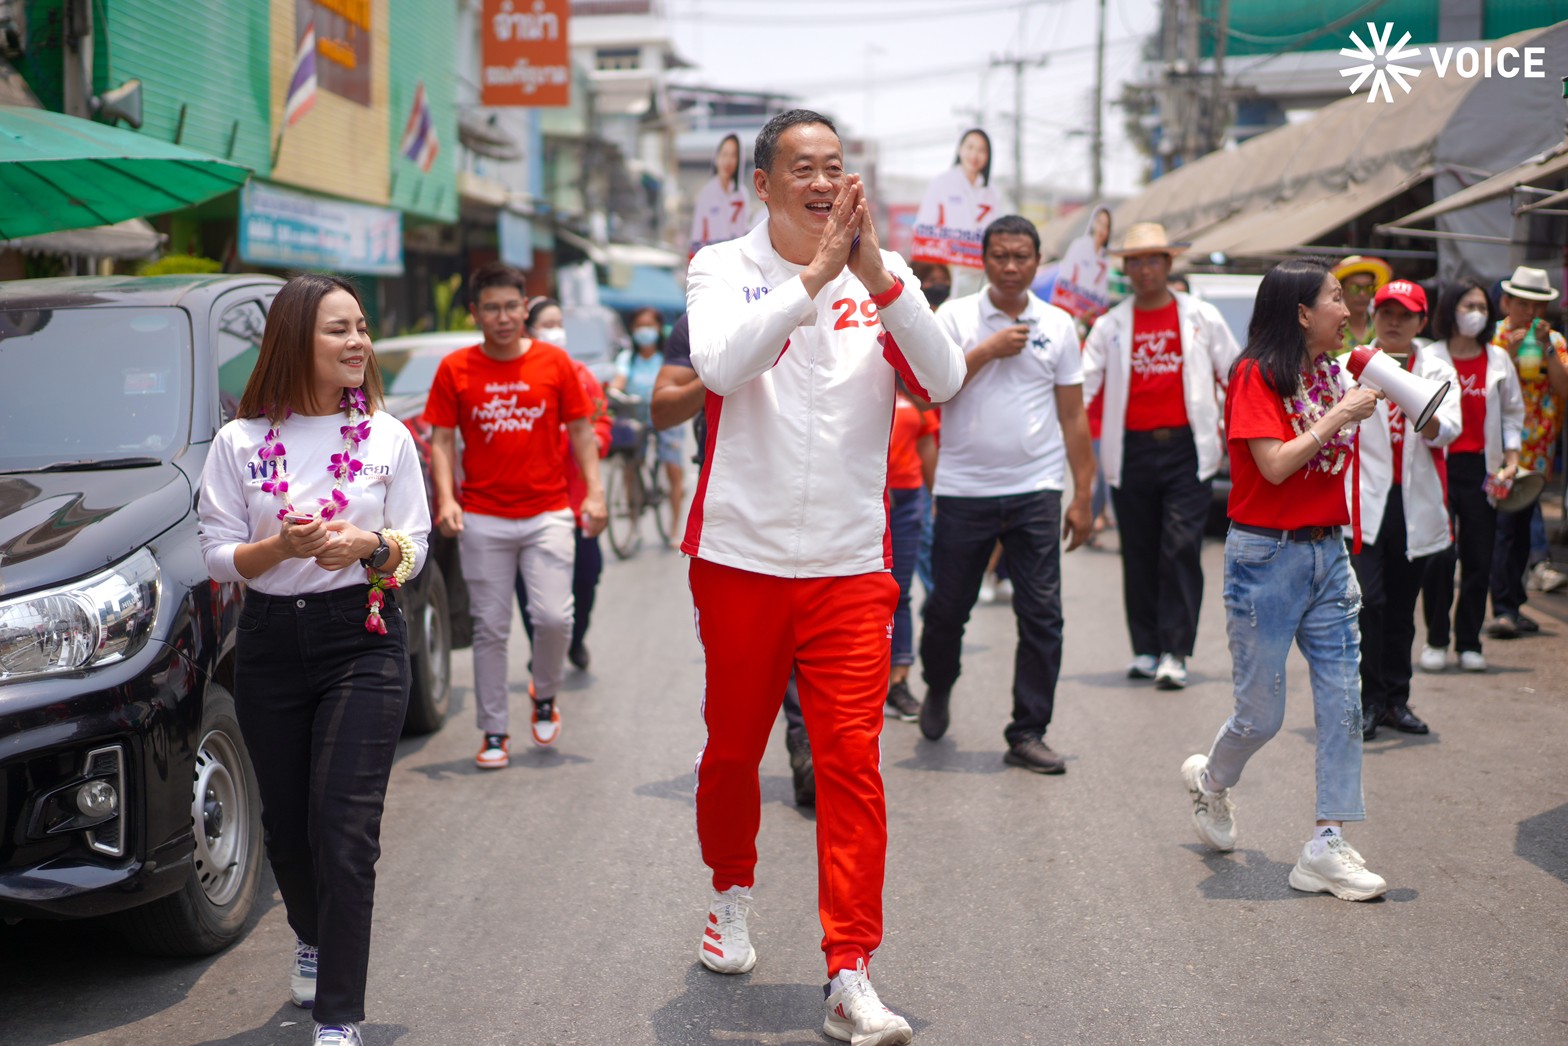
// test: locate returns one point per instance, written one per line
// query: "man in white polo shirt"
(1007, 438)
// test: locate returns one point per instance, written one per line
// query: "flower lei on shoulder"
(1315, 395)
(345, 468)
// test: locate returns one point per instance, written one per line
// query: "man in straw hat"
(1158, 356)
(1360, 277)
(1544, 383)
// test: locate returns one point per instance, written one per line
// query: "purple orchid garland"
(1314, 397)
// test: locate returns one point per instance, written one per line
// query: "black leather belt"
(1302, 534)
(1161, 435)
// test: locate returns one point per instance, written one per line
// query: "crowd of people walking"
(856, 429)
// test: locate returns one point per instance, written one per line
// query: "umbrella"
(61, 172)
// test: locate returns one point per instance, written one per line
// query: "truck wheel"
(209, 912)
(430, 660)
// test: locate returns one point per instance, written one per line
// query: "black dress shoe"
(1369, 721)
(1404, 720)
(578, 656)
(934, 715)
(1527, 625)
(1035, 755)
(801, 771)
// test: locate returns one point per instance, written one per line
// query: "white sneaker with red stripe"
(726, 943)
(857, 1016)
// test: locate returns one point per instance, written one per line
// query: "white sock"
(836, 984)
(1321, 835)
(1207, 785)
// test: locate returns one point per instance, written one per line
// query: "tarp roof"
(1537, 169)
(1364, 152)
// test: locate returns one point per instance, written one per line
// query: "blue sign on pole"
(294, 230)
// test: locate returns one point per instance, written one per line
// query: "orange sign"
(524, 54)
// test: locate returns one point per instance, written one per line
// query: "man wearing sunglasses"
(1360, 277)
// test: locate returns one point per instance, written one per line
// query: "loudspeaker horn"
(1418, 397)
(122, 103)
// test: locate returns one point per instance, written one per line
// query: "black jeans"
(1475, 527)
(1030, 529)
(1161, 507)
(1510, 561)
(1390, 585)
(586, 569)
(321, 703)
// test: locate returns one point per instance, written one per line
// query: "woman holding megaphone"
(1290, 422)
(1404, 516)
(1492, 412)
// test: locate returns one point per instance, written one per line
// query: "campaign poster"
(958, 205)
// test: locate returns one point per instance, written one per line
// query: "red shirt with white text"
(1155, 397)
(1472, 406)
(1305, 498)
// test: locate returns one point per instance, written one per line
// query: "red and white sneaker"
(857, 1016)
(493, 753)
(726, 943)
(546, 722)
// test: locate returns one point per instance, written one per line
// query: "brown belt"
(1161, 435)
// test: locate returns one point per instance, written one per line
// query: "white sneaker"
(1213, 813)
(857, 1016)
(1434, 658)
(337, 1035)
(1171, 673)
(1331, 865)
(726, 943)
(1143, 666)
(988, 588)
(1004, 590)
(302, 978)
(1551, 578)
(1472, 661)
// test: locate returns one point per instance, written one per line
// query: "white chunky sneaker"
(1472, 661)
(726, 943)
(1143, 666)
(1213, 813)
(302, 978)
(1331, 865)
(857, 1016)
(1171, 674)
(1434, 658)
(338, 1035)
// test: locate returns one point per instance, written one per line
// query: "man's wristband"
(889, 296)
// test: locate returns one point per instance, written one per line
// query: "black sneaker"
(801, 771)
(1527, 625)
(578, 656)
(1035, 755)
(901, 704)
(934, 715)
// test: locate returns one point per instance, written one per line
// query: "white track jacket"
(800, 407)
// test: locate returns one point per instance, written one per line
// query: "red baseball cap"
(1408, 294)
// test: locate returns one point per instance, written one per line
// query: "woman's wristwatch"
(378, 559)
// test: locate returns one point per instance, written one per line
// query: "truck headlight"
(96, 621)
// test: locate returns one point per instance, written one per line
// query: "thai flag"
(419, 135)
(302, 84)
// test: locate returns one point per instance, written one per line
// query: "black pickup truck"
(125, 787)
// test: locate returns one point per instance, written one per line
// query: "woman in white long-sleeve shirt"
(313, 497)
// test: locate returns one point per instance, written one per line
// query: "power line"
(815, 21)
(967, 69)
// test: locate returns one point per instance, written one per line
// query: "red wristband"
(889, 296)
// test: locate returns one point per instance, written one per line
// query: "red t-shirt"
(510, 413)
(1155, 398)
(1306, 498)
(576, 485)
(910, 423)
(1472, 406)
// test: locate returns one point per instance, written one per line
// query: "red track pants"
(836, 634)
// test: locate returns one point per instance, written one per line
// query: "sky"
(913, 74)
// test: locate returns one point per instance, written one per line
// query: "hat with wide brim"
(1530, 284)
(1147, 238)
(1380, 271)
(1526, 490)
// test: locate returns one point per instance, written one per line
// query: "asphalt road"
(561, 901)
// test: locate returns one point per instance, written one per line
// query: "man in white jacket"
(1158, 357)
(799, 331)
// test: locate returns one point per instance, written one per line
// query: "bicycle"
(632, 483)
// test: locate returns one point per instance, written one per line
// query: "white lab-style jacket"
(800, 408)
(1426, 510)
(1504, 402)
(1208, 351)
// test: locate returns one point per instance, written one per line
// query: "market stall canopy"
(646, 285)
(60, 172)
(1537, 169)
(132, 238)
(1357, 152)
(623, 253)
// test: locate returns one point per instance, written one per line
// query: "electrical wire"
(839, 18)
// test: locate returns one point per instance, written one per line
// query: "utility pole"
(1219, 105)
(1097, 143)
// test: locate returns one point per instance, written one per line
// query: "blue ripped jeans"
(1275, 592)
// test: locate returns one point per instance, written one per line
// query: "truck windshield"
(81, 385)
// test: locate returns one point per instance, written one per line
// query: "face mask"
(1470, 323)
(553, 335)
(936, 294)
(646, 336)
